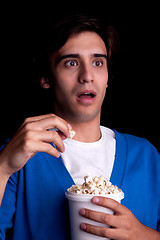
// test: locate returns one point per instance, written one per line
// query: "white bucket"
(78, 201)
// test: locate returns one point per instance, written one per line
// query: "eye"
(98, 63)
(71, 63)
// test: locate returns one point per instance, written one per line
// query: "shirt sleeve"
(8, 204)
(158, 224)
(158, 170)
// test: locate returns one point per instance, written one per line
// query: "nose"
(85, 74)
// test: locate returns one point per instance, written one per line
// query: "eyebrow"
(68, 56)
(76, 55)
(100, 55)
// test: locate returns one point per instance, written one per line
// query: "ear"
(44, 82)
(107, 80)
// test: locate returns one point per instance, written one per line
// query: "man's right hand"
(33, 137)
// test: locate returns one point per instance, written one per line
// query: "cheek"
(63, 84)
(106, 78)
(102, 75)
(103, 84)
(103, 80)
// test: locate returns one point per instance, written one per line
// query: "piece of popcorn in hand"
(71, 134)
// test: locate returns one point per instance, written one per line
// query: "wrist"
(3, 179)
(4, 173)
(151, 234)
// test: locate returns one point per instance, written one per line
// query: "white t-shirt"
(95, 158)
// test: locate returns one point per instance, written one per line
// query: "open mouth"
(87, 96)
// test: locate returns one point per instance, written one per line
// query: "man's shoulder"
(131, 140)
(138, 144)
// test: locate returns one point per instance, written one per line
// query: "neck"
(87, 131)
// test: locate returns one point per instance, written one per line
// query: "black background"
(132, 100)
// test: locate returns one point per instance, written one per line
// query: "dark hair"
(58, 32)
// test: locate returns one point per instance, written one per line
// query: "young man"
(37, 166)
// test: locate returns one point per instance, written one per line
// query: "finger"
(63, 137)
(104, 218)
(40, 117)
(50, 150)
(112, 204)
(111, 233)
(46, 136)
(35, 118)
(52, 137)
(45, 147)
(50, 122)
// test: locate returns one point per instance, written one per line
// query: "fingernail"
(58, 154)
(82, 212)
(95, 200)
(83, 226)
(69, 126)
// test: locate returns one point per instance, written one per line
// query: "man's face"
(79, 77)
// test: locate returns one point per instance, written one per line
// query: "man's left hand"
(123, 224)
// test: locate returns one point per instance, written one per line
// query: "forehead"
(83, 43)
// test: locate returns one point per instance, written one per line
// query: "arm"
(124, 224)
(31, 138)
(8, 206)
(3, 181)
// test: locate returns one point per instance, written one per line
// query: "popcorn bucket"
(78, 201)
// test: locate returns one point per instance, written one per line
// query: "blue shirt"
(34, 204)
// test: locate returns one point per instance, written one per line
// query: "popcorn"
(95, 186)
(71, 134)
(88, 179)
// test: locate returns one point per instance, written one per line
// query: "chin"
(79, 113)
(86, 116)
